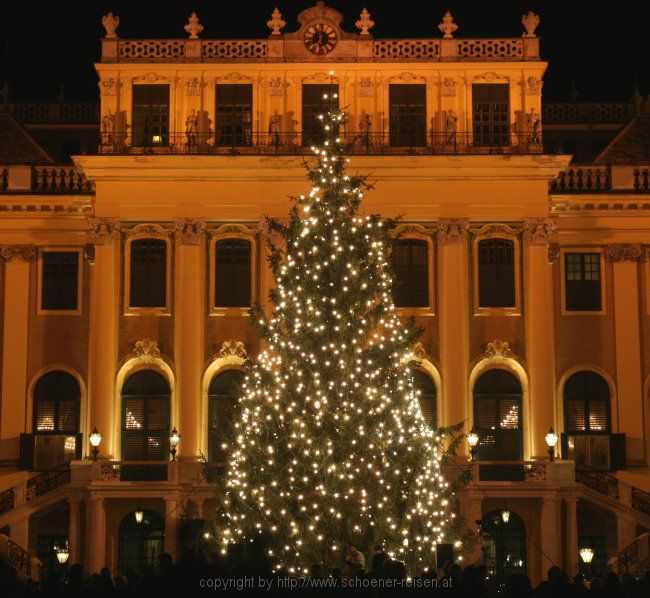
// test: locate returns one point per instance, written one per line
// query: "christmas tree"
(331, 446)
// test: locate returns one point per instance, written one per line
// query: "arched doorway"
(140, 544)
(504, 545)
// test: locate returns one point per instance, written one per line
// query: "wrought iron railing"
(603, 483)
(633, 555)
(7, 500)
(510, 471)
(19, 558)
(297, 143)
(46, 482)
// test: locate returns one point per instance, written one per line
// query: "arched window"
(145, 417)
(427, 395)
(504, 545)
(148, 274)
(411, 269)
(140, 544)
(222, 407)
(232, 279)
(586, 404)
(56, 404)
(497, 416)
(496, 273)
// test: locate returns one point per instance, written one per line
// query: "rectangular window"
(496, 273)
(491, 114)
(582, 281)
(150, 115)
(148, 275)
(234, 114)
(411, 269)
(232, 273)
(408, 115)
(60, 280)
(313, 104)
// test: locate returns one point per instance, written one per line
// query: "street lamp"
(95, 439)
(139, 515)
(551, 441)
(587, 555)
(174, 439)
(62, 553)
(505, 516)
(472, 440)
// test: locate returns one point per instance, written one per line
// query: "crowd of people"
(252, 573)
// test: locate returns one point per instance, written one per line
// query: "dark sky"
(48, 44)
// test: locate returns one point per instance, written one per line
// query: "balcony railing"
(7, 500)
(522, 471)
(140, 471)
(255, 143)
(47, 482)
(597, 178)
(586, 112)
(44, 180)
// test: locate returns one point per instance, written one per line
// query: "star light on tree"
(331, 449)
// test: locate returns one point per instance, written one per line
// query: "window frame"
(147, 231)
(231, 232)
(508, 234)
(137, 136)
(603, 285)
(587, 403)
(394, 131)
(479, 138)
(210, 398)
(423, 372)
(405, 232)
(39, 285)
(335, 86)
(247, 134)
(34, 400)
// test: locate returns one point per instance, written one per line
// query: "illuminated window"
(150, 115)
(234, 114)
(59, 280)
(222, 407)
(411, 269)
(232, 280)
(313, 104)
(56, 404)
(582, 281)
(586, 404)
(427, 395)
(148, 273)
(496, 273)
(497, 416)
(491, 114)
(145, 417)
(408, 115)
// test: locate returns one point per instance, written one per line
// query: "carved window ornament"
(320, 77)
(495, 229)
(538, 231)
(623, 252)
(553, 253)
(532, 86)
(193, 87)
(275, 86)
(366, 87)
(453, 231)
(408, 78)
(233, 349)
(498, 350)
(147, 230)
(109, 87)
(104, 230)
(26, 253)
(189, 230)
(146, 351)
(411, 229)
(448, 87)
(491, 76)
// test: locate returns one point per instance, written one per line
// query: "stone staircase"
(26, 566)
(634, 558)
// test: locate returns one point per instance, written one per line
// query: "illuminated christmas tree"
(331, 446)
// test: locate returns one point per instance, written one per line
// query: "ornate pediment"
(495, 229)
(498, 349)
(233, 348)
(491, 76)
(146, 351)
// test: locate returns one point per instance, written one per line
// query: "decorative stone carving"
(453, 231)
(451, 126)
(108, 126)
(491, 76)
(275, 127)
(152, 77)
(320, 77)
(193, 26)
(146, 351)
(110, 23)
(276, 23)
(276, 86)
(189, 230)
(233, 77)
(410, 229)
(191, 127)
(448, 87)
(148, 230)
(193, 87)
(532, 86)
(365, 124)
(89, 253)
(538, 231)
(104, 230)
(407, 77)
(530, 22)
(418, 351)
(534, 127)
(623, 252)
(448, 27)
(109, 87)
(233, 229)
(494, 229)
(236, 348)
(366, 87)
(26, 253)
(365, 23)
(553, 253)
(498, 350)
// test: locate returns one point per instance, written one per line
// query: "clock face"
(320, 38)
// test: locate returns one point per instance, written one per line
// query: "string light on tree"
(331, 447)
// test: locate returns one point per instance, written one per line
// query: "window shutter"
(148, 280)
(496, 273)
(60, 279)
(234, 114)
(232, 273)
(410, 258)
(407, 115)
(582, 281)
(150, 115)
(314, 104)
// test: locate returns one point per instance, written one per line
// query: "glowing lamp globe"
(586, 554)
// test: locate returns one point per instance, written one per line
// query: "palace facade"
(126, 281)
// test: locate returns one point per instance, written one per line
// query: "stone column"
(171, 525)
(549, 531)
(629, 375)
(188, 332)
(104, 322)
(73, 530)
(571, 506)
(454, 319)
(14, 347)
(626, 530)
(95, 534)
(538, 310)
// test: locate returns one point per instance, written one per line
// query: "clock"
(320, 38)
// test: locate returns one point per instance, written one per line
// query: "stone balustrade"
(598, 178)
(44, 180)
(587, 112)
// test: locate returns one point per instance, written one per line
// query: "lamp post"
(505, 516)
(587, 555)
(174, 439)
(139, 515)
(62, 553)
(95, 439)
(472, 440)
(551, 440)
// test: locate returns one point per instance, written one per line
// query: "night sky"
(595, 44)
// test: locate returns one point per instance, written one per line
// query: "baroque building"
(126, 281)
